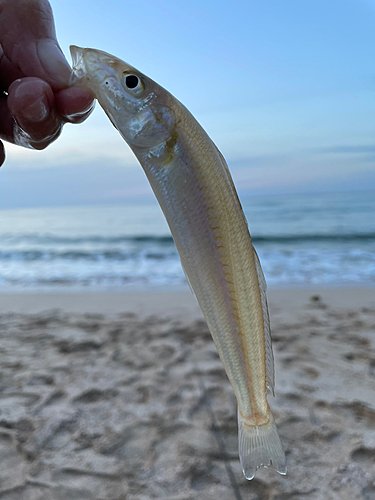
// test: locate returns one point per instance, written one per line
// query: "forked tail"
(260, 446)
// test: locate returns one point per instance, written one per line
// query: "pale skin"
(35, 97)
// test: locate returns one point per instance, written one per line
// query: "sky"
(286, 89)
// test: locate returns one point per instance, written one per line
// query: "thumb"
(28, 38)
(55, 66)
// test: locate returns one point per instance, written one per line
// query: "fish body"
(193, 185)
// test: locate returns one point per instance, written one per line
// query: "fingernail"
(37, 111)
(53, 61)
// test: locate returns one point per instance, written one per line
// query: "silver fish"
(195, 190)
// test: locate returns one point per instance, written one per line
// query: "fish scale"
(196, 193)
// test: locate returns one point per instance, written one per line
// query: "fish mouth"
(79, 70)
(88, 62)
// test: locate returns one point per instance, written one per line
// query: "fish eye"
(133, 82)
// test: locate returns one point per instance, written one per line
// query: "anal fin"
(267, 326)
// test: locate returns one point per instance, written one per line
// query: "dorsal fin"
(267, 327)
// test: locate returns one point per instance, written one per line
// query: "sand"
(122, 397)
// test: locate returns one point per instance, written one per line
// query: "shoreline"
(166, 302)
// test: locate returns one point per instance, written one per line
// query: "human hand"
(35, 97)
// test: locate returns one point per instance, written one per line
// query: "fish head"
(137, 106)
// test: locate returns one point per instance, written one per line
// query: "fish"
(196, 193)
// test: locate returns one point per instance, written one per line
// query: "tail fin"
(260, 446)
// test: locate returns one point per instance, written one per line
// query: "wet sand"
(123, 397)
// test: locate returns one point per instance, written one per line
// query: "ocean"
(302, 240)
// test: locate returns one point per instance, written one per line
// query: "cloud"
(344, 149)
(65, 152)
(304, 171)
(77, 184)
(109, 180)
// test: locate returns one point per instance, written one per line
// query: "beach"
(122, 396)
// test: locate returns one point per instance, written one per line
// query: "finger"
(74, 104)
(32, 104)
(27, 36)
(2, 153)
(8, 71)
(6, 121)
